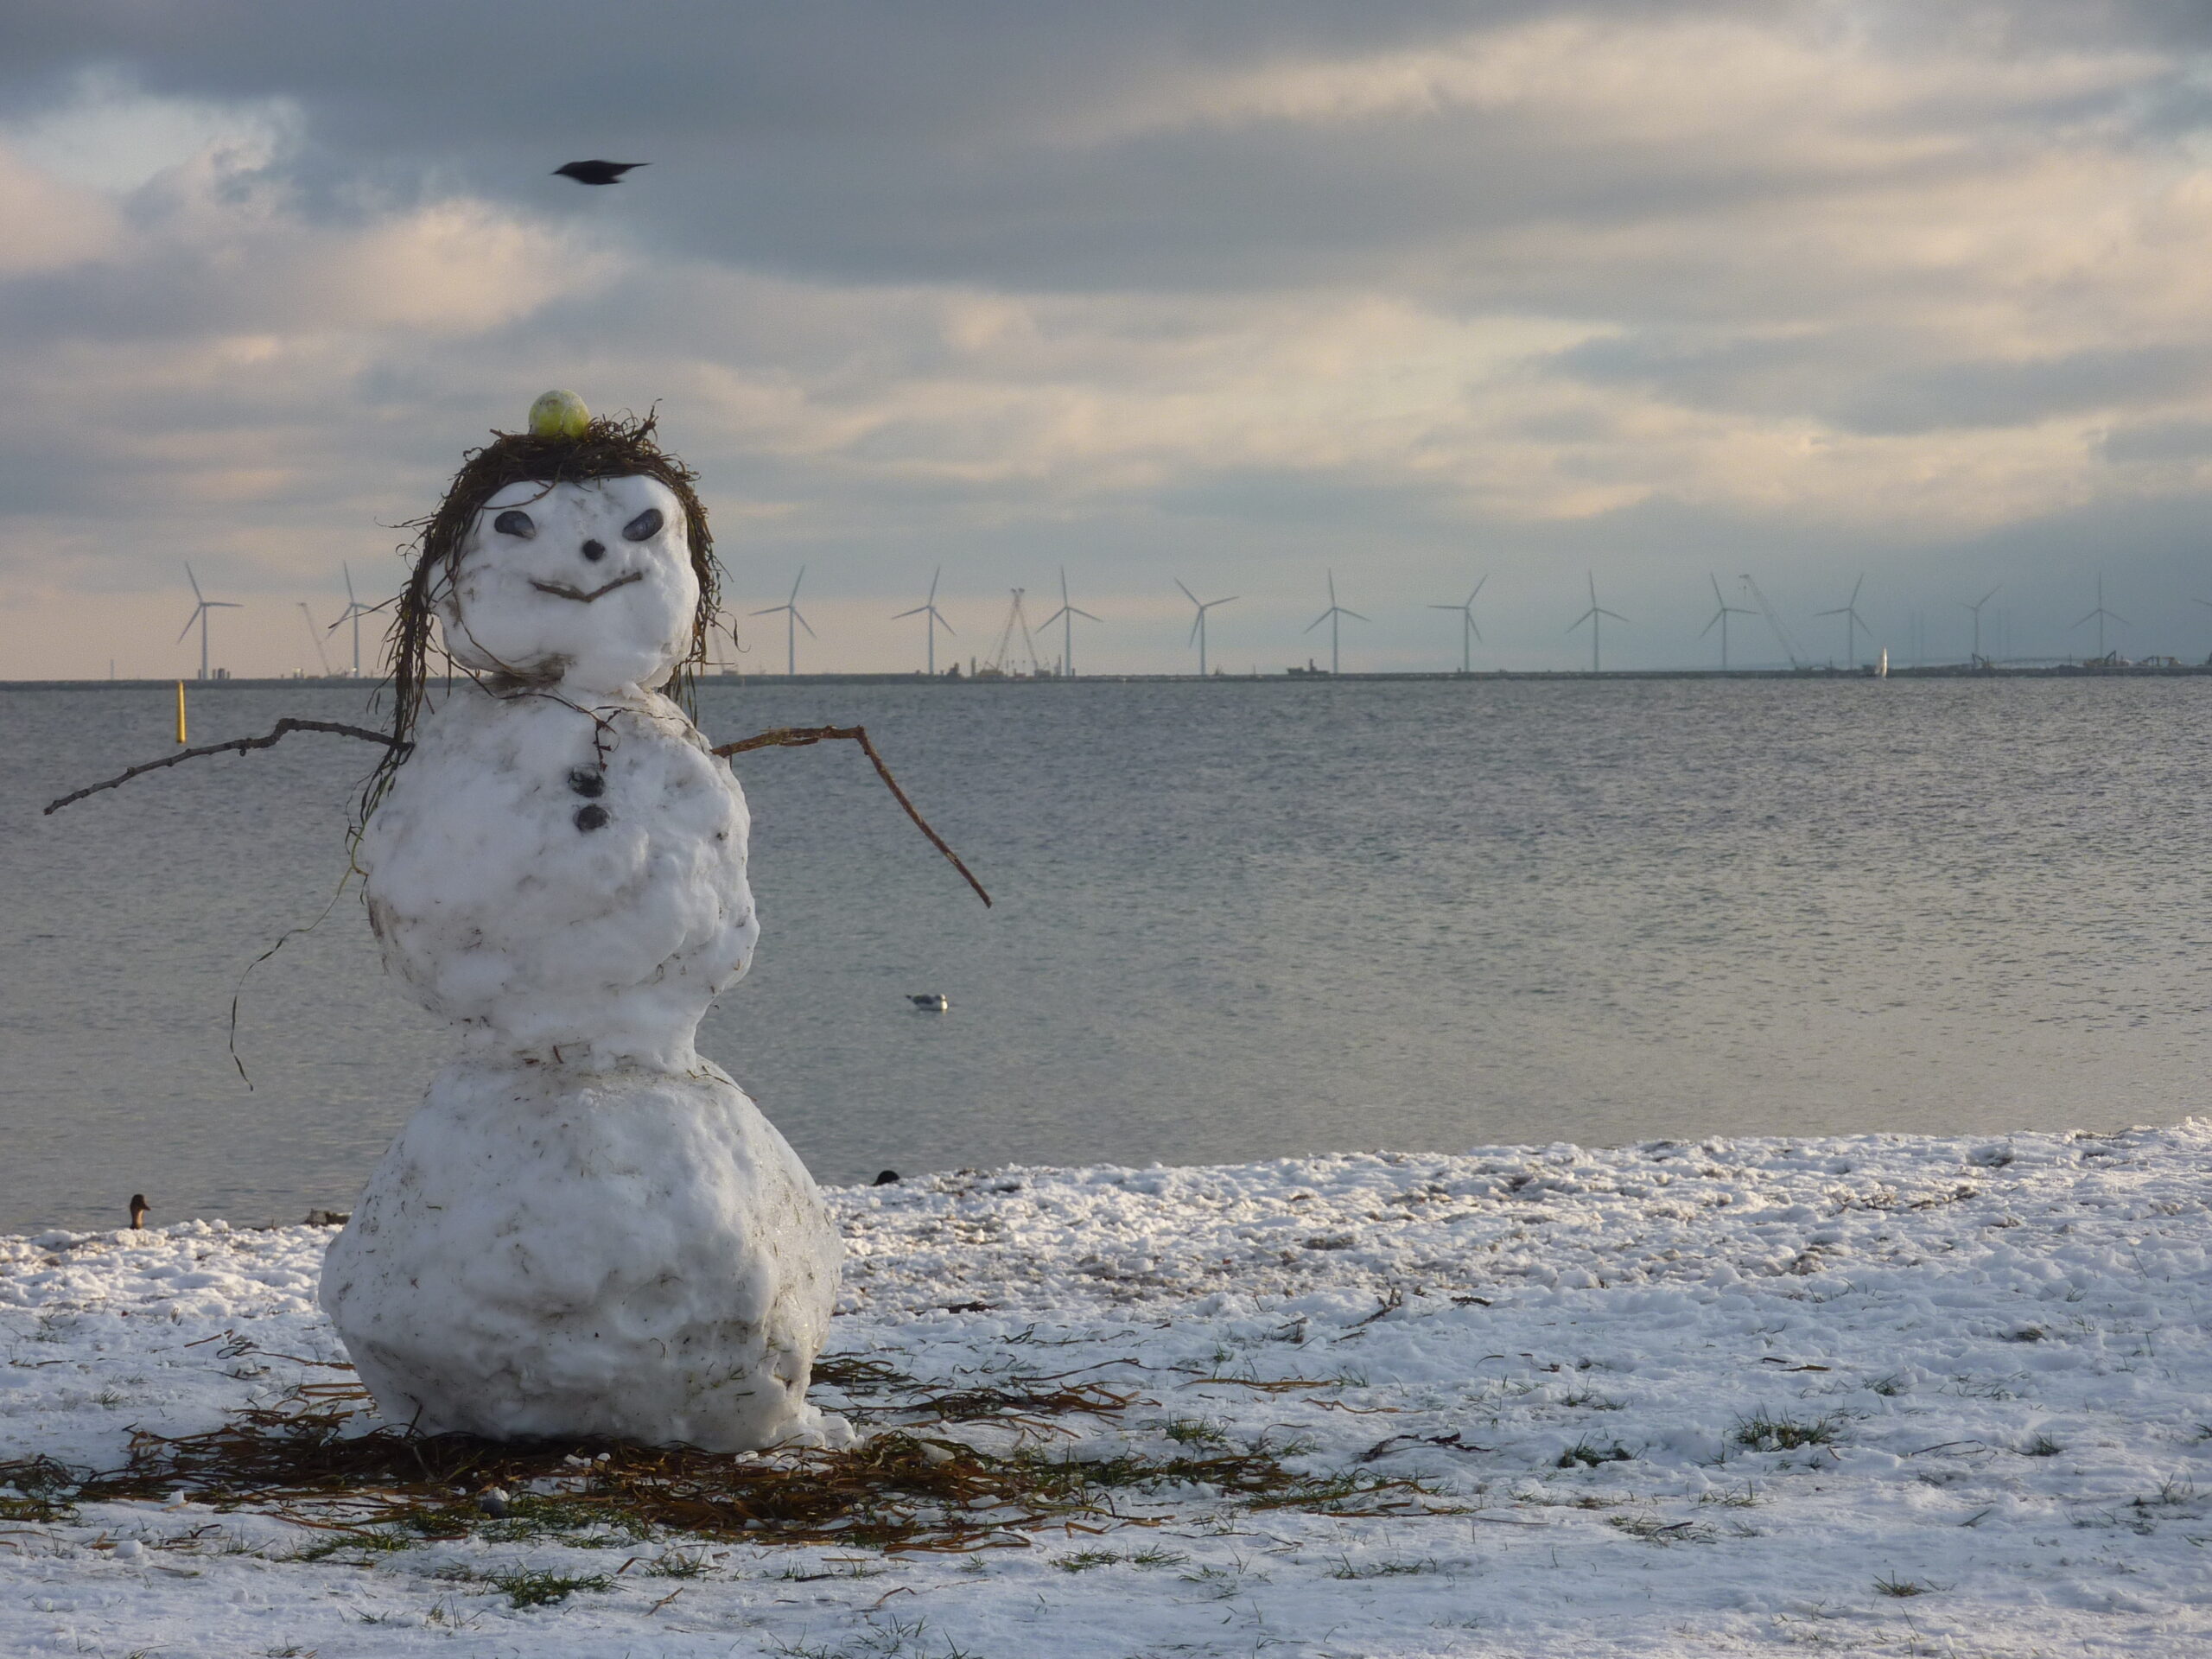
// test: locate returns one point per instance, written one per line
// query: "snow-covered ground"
(1989, 1359)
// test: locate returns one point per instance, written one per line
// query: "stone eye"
(515, 522)
(646, 525)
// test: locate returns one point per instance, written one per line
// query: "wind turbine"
(1468, 631)
(1721, 616)
(927, 607)
(1852, 623)
(1331, 617)
(792, 623)
(1976, 660)
(2099, 615)
(199, 615)
(314, 638)
(1592, 617)
(354, 611)
(1198, 627)
(1066, 617)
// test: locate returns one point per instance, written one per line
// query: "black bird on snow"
(596, 172)
(137, 1211)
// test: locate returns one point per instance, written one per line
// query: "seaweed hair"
(611, 447)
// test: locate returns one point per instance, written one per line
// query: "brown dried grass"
(307, 1458)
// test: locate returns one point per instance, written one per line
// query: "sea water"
(1233, 920)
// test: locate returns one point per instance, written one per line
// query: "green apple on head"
(559, 415)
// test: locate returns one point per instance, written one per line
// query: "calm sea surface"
(1234, 920)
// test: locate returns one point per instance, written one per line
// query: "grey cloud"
(884, 141)
(1991, 393)
(2159, 442)
(1867, 381)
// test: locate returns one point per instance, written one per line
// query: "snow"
(627, 1253)
(1992, 1354)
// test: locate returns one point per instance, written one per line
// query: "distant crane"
(1782, 634)
(1977, 659)
(1198, 626)
(1852, 623)
(1469, 633)
(199, 615)
(2099, 615)
(927, 609)
(1593, 616)
(792, 623)
(315, 637)
(354, 611)
(1721, 616)
(1015, 620)
(1066, 617)
(1331, 616)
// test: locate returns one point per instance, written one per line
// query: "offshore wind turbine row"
(1007, 659)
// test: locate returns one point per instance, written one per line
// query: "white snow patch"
(1981, 1369)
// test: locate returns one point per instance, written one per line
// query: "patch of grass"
(578, 1523)
(1083, 1561)
(1586, 1453)
(849, 1568)
(1652, 1530)
(1196, 1431)
(36, 1489)
(1590, 1400)
(1346, 1569)
(1744, 1500)
(2171, 1494)
(1765, 1433)
(1154, 1555)
(678, 1564)
(1891, 1385)
(367, 1539)
(883, 1639)
(525, 1588)
(2042, 1447)
(1890, 1585)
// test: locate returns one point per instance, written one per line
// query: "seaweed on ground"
(308, 1457)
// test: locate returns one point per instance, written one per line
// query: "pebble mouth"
(561, 590)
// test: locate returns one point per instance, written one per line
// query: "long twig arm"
(241, 744)
(798, 737)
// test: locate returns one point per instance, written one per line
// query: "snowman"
(586, 1229)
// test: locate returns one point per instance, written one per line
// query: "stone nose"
(594, 551)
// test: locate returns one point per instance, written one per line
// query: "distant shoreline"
(1931, 672)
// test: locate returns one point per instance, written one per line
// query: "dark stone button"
(589, 818)
(588, 783)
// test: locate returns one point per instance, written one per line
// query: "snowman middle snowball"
(586, 1229)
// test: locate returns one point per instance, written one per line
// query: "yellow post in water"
(180, 713)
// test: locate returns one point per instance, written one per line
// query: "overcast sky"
(1235, 292)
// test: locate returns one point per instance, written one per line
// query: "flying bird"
(596, 172)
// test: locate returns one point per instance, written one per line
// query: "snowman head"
(575, 554)
(589, 584)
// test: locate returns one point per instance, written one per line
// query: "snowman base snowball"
(629, 1254)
